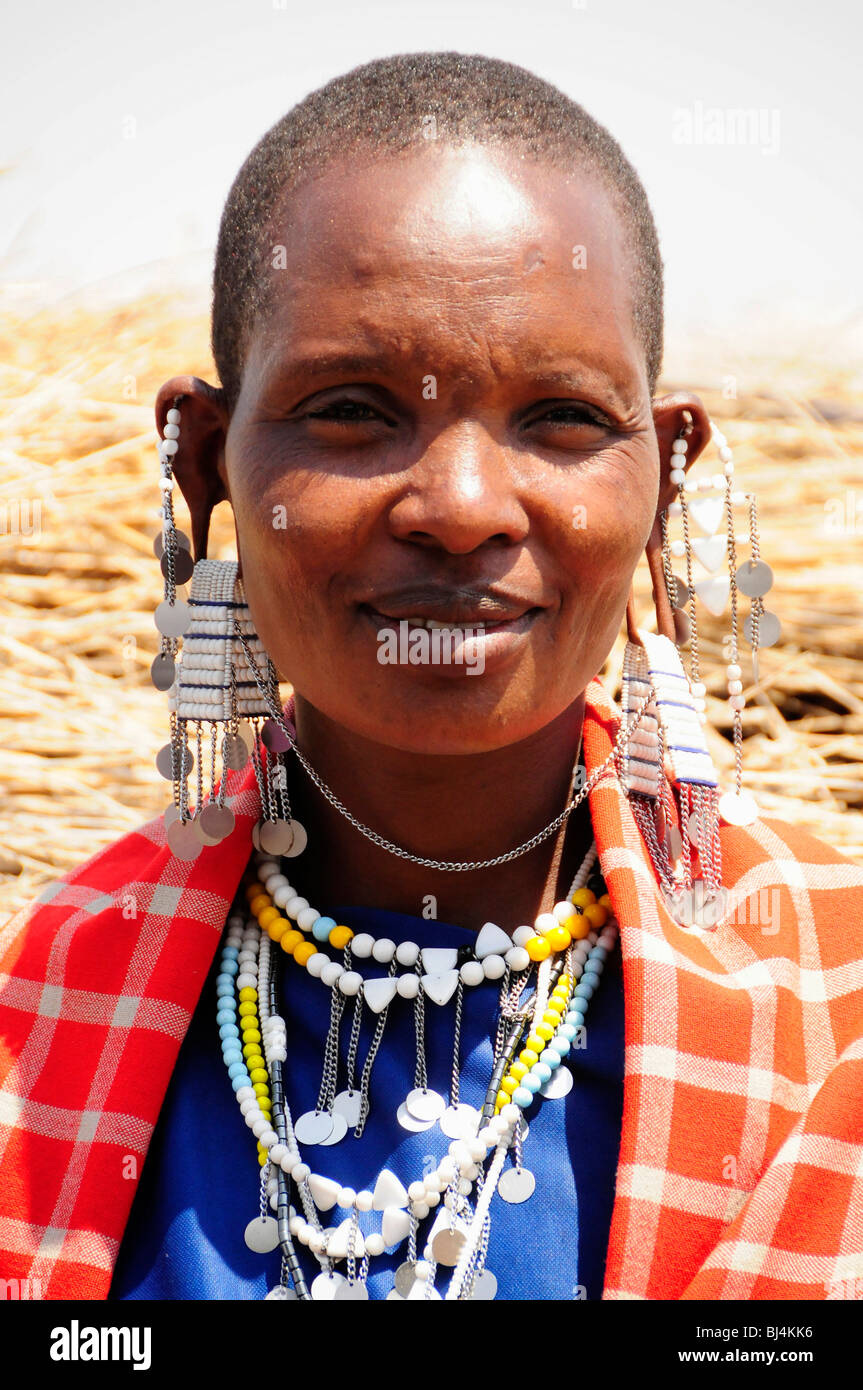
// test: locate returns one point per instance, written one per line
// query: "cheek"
(605, 517)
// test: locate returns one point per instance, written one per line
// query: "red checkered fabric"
(741, 1162)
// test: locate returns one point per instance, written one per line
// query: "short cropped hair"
(385, 106)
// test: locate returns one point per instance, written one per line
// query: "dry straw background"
(80, 723)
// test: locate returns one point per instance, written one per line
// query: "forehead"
(422, 251)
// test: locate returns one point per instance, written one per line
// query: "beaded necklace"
(533, 1039)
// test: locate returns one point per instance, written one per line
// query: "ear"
(199, 463)
(670, 419)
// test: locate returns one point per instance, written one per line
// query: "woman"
(437, 322)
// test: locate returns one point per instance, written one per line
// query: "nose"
(460, 494)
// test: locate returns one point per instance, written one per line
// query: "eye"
(346, 411)
(568, 414)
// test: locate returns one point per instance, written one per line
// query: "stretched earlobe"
(199, 464)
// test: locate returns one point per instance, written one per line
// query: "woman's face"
(444, 415)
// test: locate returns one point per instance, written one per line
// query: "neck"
(460, 807)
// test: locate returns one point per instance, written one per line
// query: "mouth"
(485, 643)
(514, 622)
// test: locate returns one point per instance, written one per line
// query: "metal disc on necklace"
(274, 737)
(256, 836)
(163, 671)
(558, 1085)
(459, 1121)
(279, 1294)
(347, 1104)
(394, 1297)
(165, 761)
(754, 578)
(424, 1104)
(738, 810)
(313, 1127)
(247, 734)
(516, 1185)
(277, 836)
(172, 814)
(235, 754)
(339, 1130)
(682, 627)
(262, 1236)
(769, 629)
(184, 565)
(326, 1286)
(682, 592)
(692, 828)
(202, 835)
(159, 543)
(404, 1278)
(355, 1292)
(484, 1287)
(448, 1245)
(183, 840)
(299, 842)
(407, 1121)
(217, 820)
(172, 619)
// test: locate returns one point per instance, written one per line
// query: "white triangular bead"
(713, 593)
(437, 959)
(706, 512)
(389, 1192)
(491, 941)
(324, 1191)
(395, 1226)
(440, 987)
(378, 993)
(710, 552)
(337, 1245)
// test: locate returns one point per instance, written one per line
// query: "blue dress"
(200, 1183)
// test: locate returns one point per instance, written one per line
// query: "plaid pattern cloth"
(741, 1162)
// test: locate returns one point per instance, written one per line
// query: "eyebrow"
(373, 362)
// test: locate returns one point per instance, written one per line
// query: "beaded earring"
(671, 725)
(220, 688)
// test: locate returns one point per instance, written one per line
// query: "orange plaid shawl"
(741, 1160)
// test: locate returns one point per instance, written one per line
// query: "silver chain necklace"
(448, 865)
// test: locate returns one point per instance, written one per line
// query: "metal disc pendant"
(172, 619)
(277, 836)
(172, 814)
(235, 754)
(339, 1130)
(407, 1121)
(163, 671)
(202, 835)
(313, 1127)
(682, 592)
(769, 629)
(262, 1236)
(326, 1286)
(347, 1104)
(159, 543)
(447, 1245)
(279, 1294)
(459, 1121)
(424, 1105)
(274, 737)
(692, 828)
(299, 843)
(355, 1292)
(165, 761)
(218, 821)
(516, 1185)
(393, 1297)
(183, 840)
(256, 836)
(558, 1085)
(247, 734)
(754, 578)
(184, 565)
(738, 810)
(484, 1287)
(405, 1278)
